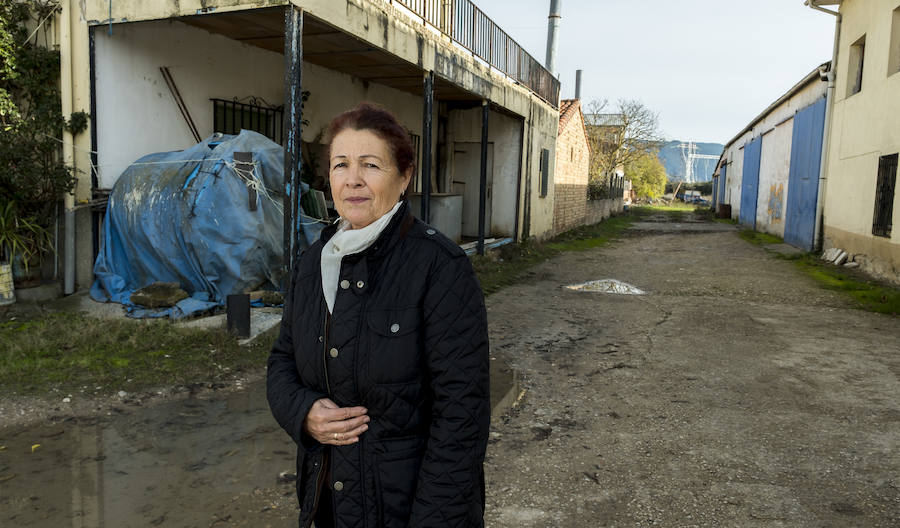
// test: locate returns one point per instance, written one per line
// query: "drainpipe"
(66, 99)
(818, 239)
(552, 32)
(577, 84)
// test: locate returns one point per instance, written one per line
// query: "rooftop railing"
(462, 21)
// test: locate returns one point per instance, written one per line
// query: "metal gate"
(750, 182)
(803, 178)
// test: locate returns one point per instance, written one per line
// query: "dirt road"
(736, 393)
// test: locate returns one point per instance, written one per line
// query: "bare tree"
(619, 138)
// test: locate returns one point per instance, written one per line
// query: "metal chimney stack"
(577, 84)
(552, 31)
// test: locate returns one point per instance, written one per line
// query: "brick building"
(572, 168)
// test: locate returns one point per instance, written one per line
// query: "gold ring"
(335, 436)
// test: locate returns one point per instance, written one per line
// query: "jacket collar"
(395, 230)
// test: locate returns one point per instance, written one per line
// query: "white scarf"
(347, 242)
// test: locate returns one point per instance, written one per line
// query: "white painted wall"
(137, 115)
(775, 164)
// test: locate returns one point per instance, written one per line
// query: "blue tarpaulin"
(192, 217)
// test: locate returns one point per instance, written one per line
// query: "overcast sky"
(707, 66)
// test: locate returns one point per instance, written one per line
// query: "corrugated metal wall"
(803, 182)
(750, 182)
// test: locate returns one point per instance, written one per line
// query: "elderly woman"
(380, 373)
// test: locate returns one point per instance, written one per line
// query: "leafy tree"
(31, 120)
(647, 175)
(620, 136)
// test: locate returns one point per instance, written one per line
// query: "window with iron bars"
(230, 117)
(884, 195)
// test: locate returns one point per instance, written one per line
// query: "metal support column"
(427, 125)
(482, 186)
(293, 114)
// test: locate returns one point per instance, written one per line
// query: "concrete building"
(572, 168)
(154, 76)
(861, 163)
(768, 173)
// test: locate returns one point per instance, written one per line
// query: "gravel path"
(736, 393)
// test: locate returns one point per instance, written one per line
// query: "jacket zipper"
(325, 352)
(320, 477)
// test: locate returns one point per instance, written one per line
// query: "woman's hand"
(329, 424)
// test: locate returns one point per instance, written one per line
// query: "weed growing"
(69, 352)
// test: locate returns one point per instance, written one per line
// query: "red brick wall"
(571, 176)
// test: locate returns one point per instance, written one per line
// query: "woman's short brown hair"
(367, 116)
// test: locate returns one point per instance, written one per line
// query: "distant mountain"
(670, 156)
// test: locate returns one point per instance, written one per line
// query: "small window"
(884, 195)
(894, 54)
(571, 153)
(855, 71)
(545, 171)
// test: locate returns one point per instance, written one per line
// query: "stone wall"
(599, 210)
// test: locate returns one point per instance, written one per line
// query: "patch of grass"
(70, 352)
(759, 239)
(869, 294)
(509, 264)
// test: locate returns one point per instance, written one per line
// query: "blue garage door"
(723, 176)
(803, 179)
(750, 182)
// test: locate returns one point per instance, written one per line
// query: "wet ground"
(198, 461)
(734, 392)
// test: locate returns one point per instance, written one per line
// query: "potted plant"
(23, 241)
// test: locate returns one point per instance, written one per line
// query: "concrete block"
(841, 258)
(851, 265)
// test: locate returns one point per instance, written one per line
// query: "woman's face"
(365, 181)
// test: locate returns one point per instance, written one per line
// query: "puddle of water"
(182, 461)
(607, 286)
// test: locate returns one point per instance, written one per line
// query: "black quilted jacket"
(408, 341)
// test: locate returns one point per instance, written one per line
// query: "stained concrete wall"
(864, 128)
(505, 132)
(775, 164)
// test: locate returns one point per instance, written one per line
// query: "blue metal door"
(750, 182)
(723, 175)
(803, 178)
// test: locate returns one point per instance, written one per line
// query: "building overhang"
(326, 46)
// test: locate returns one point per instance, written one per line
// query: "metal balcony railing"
(462, 21)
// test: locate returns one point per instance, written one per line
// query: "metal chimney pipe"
(552, 32)
(577, 84)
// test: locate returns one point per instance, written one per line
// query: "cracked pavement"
(736, 393)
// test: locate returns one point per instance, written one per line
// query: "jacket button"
(321, 338)
(345, 284)
(360, 284)
(430, 231)
(395, 328)
(338, 486)
(333, 352)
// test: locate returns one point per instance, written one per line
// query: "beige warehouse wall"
(865, 127)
